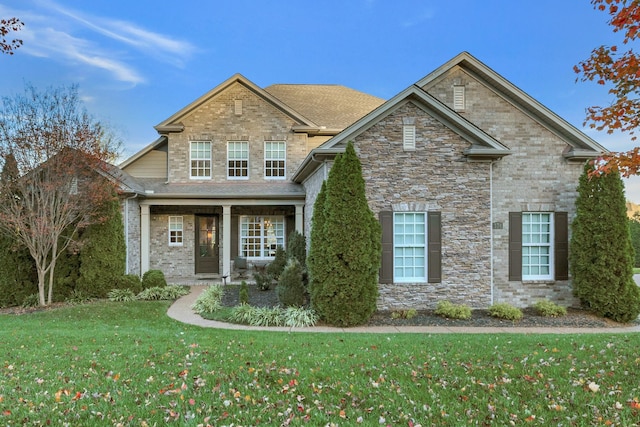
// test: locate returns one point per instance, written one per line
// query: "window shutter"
(386, 266)
(458, 98)
(515, 246)
(561, 246)
(234, 236)
(434, 247)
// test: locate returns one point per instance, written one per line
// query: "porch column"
(226, 240)
(299, 219)
(145, 226)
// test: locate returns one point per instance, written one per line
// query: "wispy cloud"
(108, 46)
(419, 18)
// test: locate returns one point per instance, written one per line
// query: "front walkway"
(182, 312)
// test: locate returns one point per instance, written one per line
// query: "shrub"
(297, 248)
(275, 267)
(263, 280)
(32, 300)
(290, 290)
(209, 301)
(131, 282)
(163, 293)
(549, 309)
(298, 317)
(256, 316)
(505, 311)
(18, 276)
(453, 311)
(77, 297)
(121, 295)
(404, 314)
(153, 279)
(173, 292)
(243, 293)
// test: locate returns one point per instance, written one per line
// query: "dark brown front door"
(207, 251)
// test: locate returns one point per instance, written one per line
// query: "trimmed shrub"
(601, 254)
(453, 311)
(290, 290)
(505, 311)
(18, 277)
(121, 295)
(209, 301)
(298, 317)
(263, 280)
(275, 267)
(243, 293)
(131, 282)
(153, 279)
(163, 293)
(297, 248)
(548, 308)
(346, 250)
(404, 314)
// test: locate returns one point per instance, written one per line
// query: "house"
(473, 181)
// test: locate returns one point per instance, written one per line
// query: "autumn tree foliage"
(617, 67)
(7, 26)
(61, 187)
(601, 257)
(344, 257)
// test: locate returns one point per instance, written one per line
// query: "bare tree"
(61, 154)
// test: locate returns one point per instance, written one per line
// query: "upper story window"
(275, 156)
(200, 154)
(238, 160)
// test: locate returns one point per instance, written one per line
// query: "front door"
(207, 251)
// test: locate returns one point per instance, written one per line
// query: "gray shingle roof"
(332, 106)
(206, 190)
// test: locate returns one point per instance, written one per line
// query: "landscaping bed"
(575, 318)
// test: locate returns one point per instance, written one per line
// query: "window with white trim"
(409, 247)
(537, 247)
(238, 160)
(175, 230)
(200, 154)
(260, 236)
(275, 156)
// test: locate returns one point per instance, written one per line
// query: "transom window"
(238, 160)
(275, 155)
(409, 246)
(537, 229)
(175, 231)
(200, 159)
(260, 236)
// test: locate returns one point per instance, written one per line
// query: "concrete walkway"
(182, 312)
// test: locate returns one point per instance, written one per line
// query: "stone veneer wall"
(216, 121)
(434, 177)
(535, 177)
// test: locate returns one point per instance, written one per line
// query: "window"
(275, 155)
(238, 160)
(537, 254)
(175, 231)
(261, 236)
(200, 160)
(409, 247)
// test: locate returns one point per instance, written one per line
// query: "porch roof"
(159, 188)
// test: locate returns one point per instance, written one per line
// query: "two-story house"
(473, 181)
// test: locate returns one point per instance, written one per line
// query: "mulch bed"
(575, 318)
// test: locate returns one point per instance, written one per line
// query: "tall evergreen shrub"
(345, 288)
(601, 258)
(297, 247)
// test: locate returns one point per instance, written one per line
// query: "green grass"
(636, 270)
(129, 364)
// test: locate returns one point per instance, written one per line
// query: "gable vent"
(409, 137)
(238, 107)
(458, 98)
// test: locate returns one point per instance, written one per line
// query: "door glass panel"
(207, 236)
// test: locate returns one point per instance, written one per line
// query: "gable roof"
(330, 106)
(483, 145)
(582, 146)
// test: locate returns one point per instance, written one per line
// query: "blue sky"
(138, 62)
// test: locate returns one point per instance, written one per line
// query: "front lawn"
(129, 364)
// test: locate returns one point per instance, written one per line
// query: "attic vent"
(238, 107)
(458, 98)
(409, 137)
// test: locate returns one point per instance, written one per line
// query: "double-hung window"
(200, 154)
(409, 247)
(238, 160)
(537, 250)
(275, 155)
(260, 236)
(175, 231)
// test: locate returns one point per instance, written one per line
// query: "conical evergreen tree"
(316, 266)
(103, 254)
(601, 258)
(346, 292)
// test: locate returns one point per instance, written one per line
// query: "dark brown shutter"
(515, 246)
(434, 247)
(234, 235)
(386, 266)
(561, 246)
